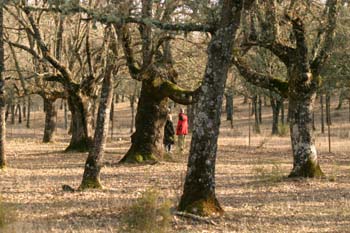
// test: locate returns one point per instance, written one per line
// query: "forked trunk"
(50, 120)
(91, 177)
(146, 141)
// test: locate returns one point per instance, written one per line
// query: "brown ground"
(250, 184)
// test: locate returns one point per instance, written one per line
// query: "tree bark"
(301, 101)
(322, 113)
(50, 120)
(256, 115)
(199, 189)
(91, 177)
(65, 114)
(19, 111)
(150, 119)
(276, 106)
(132, 107)
(260, 109)
(229, 106)
(191, 114)
(80, 124)
(2, 94)
(29, 102)
(328, 109)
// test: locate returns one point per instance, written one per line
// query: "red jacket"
(182, 125)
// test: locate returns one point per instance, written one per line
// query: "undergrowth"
(148, 214)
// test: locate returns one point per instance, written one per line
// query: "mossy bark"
(80, 128)
(50, 120)
(146, 141)
(199, 189)
(301, 102)
(90, 183)
(204, 206)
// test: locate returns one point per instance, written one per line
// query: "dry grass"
(250, 183)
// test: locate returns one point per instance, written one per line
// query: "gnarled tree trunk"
(150, 119)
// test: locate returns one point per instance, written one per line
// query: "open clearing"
(249, 182)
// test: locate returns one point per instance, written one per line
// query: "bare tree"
(303, 71)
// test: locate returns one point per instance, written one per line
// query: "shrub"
(149, 214)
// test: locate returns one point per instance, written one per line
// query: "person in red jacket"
(182, 129)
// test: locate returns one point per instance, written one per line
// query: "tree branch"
(261, 80)
(113, 19)
(325, 48)
(125, 38)
(178, 94)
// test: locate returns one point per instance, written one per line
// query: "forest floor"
(250, 182)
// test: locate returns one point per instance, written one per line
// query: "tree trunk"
(199, 189)
(260, 109)
(29, 102)
(322, 115)
(2, 94)
(80, 124)
(93, 115)
(349, 108)
(19, 111)
(301, 100)
(229, 107)
(132, 107)
(24, 109)
(313, 121)
(190, 114)
(341, 98)
(50, 120)
(146, 141)
(65, 115)
(275, 105)
(13, 114)
(91, 177)
(328, 109)
(7, 112)
(282, 113)
(111, 118)
(256, 115)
